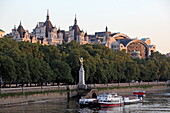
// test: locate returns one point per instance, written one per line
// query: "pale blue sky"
(135, 18)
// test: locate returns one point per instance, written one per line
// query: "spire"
(107, 35)
(106, 29)
(75, 21)
(20, 23)
(15, 27)
(47, 14)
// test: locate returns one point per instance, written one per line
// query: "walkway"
(64, 87)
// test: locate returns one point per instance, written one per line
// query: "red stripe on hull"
(110, 105)
(135, 93)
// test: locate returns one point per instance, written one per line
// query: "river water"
(154, 102)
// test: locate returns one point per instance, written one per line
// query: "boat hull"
(139, 93)
(110, 104)
(132, 101)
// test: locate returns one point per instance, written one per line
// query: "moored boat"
(139, 93)
(132, 99)
(109, 100)
(91, 102)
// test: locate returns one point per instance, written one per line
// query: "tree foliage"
(37, 63)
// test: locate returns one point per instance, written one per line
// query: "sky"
(135, 18)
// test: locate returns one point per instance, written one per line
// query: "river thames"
(154, 102)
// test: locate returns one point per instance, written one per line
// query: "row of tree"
(35, 63)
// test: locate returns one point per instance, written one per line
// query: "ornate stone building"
(46, 34)
(20, 34)
(43, 33)
(75, 33)
(140, 48)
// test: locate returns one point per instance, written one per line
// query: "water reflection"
(154, 103)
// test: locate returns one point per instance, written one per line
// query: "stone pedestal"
(81, 84)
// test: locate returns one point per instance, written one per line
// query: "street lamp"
(58, 78)
(22, 85)
(41, 82)
(0, 83)
(94, 78)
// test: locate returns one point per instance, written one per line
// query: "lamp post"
(94, 78)
(58, 78)
(41, 83)
(22, 85)
(0, 84)
(68, 93)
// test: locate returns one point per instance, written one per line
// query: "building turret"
(21, 30)
(76, 29)
(48, 25)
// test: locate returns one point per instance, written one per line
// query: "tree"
(74, 63)
(34, 67)
(132, 71)
(144, 71)
(7, 69)
(22, 70)
(61, 71)
(45, 72)
(119, 71)
(153, 70)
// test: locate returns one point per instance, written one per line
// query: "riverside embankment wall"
(13, 100)
(73, 87)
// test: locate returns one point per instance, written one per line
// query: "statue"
(81, 61)
(81, 84)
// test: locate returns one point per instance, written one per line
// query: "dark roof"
(21, 30)
(76, 29)
(144, 39)
(113, 34)
(125, 41)
(75, 26)
(150, 46)
(1, 30)
(103, 43)
(85, 34)
(48, 25)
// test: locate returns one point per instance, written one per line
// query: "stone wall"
(11, 100)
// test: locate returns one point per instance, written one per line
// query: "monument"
(81, 84)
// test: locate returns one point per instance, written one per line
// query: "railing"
(65, 87)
